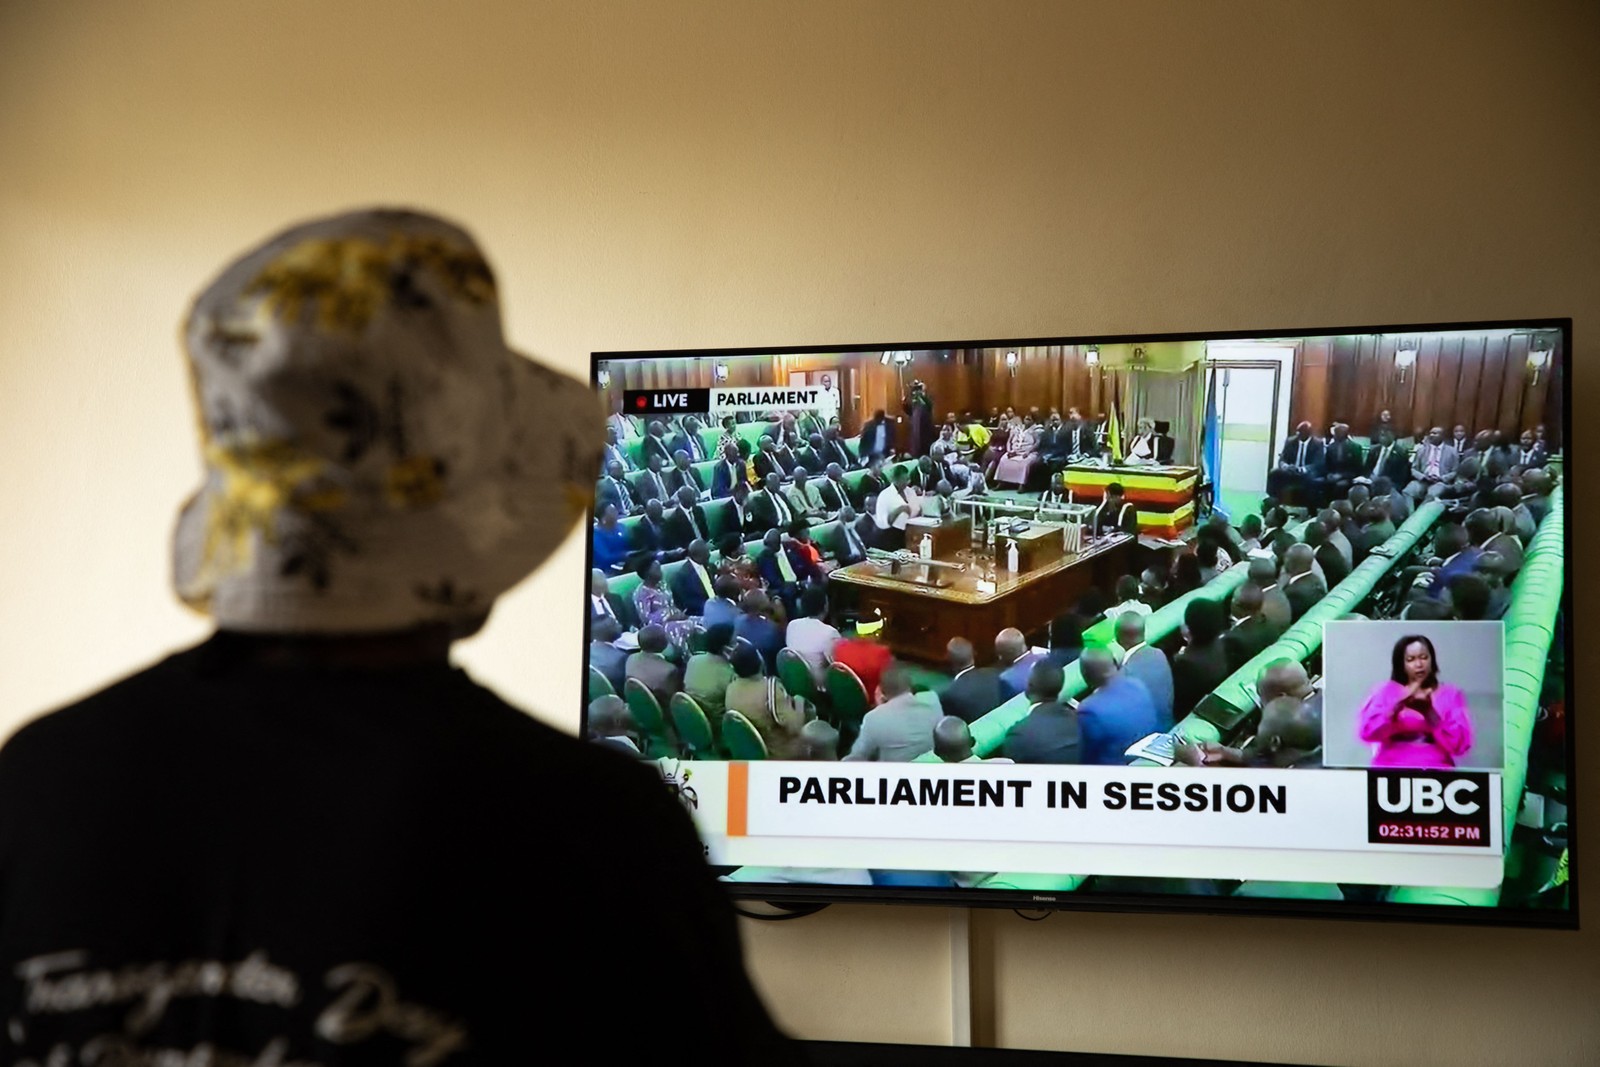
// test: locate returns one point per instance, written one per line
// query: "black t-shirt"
(300, 866)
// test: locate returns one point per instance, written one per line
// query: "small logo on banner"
(666, 401)
(1428, 807)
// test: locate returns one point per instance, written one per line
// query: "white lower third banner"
(1386, 827)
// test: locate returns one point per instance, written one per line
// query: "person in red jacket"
(865, 654)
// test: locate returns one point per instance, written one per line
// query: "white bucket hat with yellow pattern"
(376, 457)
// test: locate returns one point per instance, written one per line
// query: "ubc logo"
(1427, 796)
(1429, 808)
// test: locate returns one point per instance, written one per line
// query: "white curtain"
(1173, 397)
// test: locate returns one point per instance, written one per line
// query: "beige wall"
(659, 175)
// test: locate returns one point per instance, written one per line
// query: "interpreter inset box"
(1421, 695)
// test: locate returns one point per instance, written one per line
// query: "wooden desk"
(1163, 496)
(921, 617)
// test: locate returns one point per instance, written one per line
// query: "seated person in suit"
(1504, 540)
(758, 626)
(1147, 664)
(1433, 466)
(1303, 587)
(973, 691)
(604, 604)
(609, 542)
(900, 728)
(707, 674)
(1399, 506)
(1299, 466)
(1341, 463)
(723, 607)
(783, 570)
(803, 500)
(1115, 514)
(1275, 535)
(1529, 452)
(1274, 605)
(830, 491)
(1051, 731)
(1537, 485)
(1117, 711)
(849, 541)
(651, 666)
(692, 582)
(1080, 435)
(1153, 588)
(1386, 459)
(785, 448)
(766, 508)
(688, 441)
(765, 463)
(614, 453)
(652, 481)
(1508, 495)
(686, 520)
(613, 489)
(1251, 633)
(610, 726)
(764, 701)
(834, 450)
(1383, 424)
(604, 655)
(1457, 548)
(684, 476)
(728, 474)
(1250, 533)
(652, 536)
(1334, 568)
(1066, 638)
(952, 743)
(808, 453)
(1203, 664)
(1014, 659)
(655, 444)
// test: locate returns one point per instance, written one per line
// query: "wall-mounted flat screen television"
(1272, 621)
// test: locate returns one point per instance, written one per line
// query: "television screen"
(1271, 621)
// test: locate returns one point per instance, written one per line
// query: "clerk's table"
(925, 606)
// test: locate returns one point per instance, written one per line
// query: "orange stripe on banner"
(738, 798)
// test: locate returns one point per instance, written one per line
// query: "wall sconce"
(1404, 360)
(902, 358)
(1092, 356)
(1011, 363)
(604, 378)
(1538, 360)
(885, 358)
(720, 372)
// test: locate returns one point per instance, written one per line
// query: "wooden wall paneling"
(1513, 385)
(1344, 360)
(1466, 402)
(1491, 382)
(1308, 392)
(1416, 413)
(1554, 383)
(1447, 383)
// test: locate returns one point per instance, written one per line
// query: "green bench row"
(709, 435)
(719, 518)
(1530, 631)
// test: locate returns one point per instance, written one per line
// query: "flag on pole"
(1211, 445)
(1114, 436)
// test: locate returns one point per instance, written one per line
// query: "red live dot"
(639, 403)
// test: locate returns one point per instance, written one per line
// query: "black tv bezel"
(1158, 903)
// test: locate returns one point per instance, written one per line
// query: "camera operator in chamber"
(1414, 720)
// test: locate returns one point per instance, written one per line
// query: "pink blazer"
(1441, 746)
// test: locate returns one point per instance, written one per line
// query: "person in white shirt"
(827, 401)
(1144, 446)
(894, 510)
(952, 743)
(810, 636)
